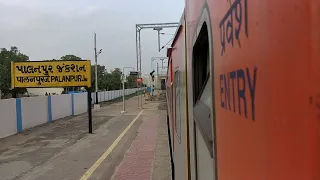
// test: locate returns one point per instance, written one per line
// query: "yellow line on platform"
(109, 150)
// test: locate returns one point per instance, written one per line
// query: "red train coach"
(243, 92)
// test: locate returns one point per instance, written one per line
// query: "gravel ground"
(159, 97)
(162, 106)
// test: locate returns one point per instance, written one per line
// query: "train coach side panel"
(313, 141)
(170, 100)
(266, 122)
(179, 106)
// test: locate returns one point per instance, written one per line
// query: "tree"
(6, 57)
(66, 58)
(70, 57)
(131, 82)
(52, 60)
(115, 80)
(106, 81)
(101, 73)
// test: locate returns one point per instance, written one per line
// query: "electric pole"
(95, 66)
(96, 69)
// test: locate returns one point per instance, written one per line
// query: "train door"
(203, 112)
(181, 136)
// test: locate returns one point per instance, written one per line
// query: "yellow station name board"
(50, 74)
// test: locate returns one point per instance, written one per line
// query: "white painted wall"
(101, 96)
(34, 111)
(111, 95)
(8, 122)
(61, 106)
(108, 95)
(80, 103)
(116, 93)
(105, 94)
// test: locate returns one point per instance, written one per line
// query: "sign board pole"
(14, 93)
(89, 109)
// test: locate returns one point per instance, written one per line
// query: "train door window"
(177, 124)
(202, 86)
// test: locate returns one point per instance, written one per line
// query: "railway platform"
(131, 146)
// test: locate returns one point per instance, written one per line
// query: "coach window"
(202, 90)
(177, 121)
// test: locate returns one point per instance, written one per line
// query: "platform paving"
(64, 150)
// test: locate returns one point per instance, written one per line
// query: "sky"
(49, 29)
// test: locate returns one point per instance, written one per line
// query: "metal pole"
(159, 40)
(151, 62)
(138, 52)
(162, 62)
(152, 65)
(14, 93)
(157, 69)
(152, 87)
(123, 91)
(89, 110)
(95, 66)
(141, 93)
(140, 73)
(137, 46)
(157, 75)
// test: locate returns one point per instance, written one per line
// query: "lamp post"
(96, 68)
(158, 29)
(123, 89)
(157, 75)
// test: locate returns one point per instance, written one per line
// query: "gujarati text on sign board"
(50, 74)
